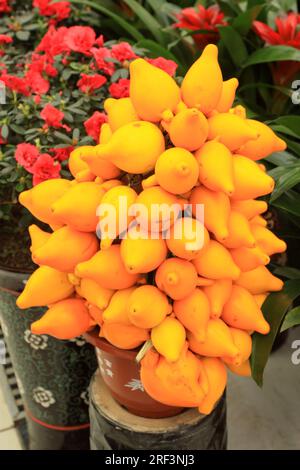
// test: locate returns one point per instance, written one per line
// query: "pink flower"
(122, 51)
(53, 117)
(94, 123)
(168, 66)
(80, 39)
(90, 83)
(26, 155)
(120, 89)
(61, 154)
(100, 56)
(45, 168)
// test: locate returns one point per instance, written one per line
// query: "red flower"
(37, 99)
(201, 18)
(94, 123)
(80, 39)
(53, 117)
(122, 51)
(37, 83)
(4, 6)
(120, 89)
(60, 10)
(168, 66)
(45, 168)
(100, 40)
(53, 43)
(100, 56)
(5, 39)
(17, 84)
(90, 83)
(42, 63)
(61, 154)
(26, 155)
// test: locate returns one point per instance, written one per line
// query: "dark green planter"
(53, 377)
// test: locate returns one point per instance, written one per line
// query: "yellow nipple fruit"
(105, 133)
(104, 169)
(94, 293)
(218, 341)
(218, 294)
(249, 258)
(259, 220)
(77, 207)
(193, 313)
(176, 171)
(187, 238)
(117, 309)
(158, 209)
(231, 130)
(217, 379)
(243, 370)
(176, 277)
(124, 336)
(64, 320)
(239, 232)
(243, 342)
(45, 286)
(154, 94)
(65, 248)
(168, 338)
(114, 206)
(106, 267)
(241, 311)
(39, 199)
(119, 112)
(133, 148)
(148, 306)
(96, 314)
(216, 167)
(179, 383)
(79, 168)
(38, 237)
(216, 210)
(250, 208)
(260, 298)
(215, 262)
(267, 142)
(249, 180)
(259, 280)
(202, 85)
(228, 95)
(142, 255)
(188, 129)
(267, 240)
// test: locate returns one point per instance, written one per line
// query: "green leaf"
(285, 182)
(274, 310)
(147, 19)
(292, 122)
(282, 158)
(289, 202)
(4, 131)
(243, 22)
(272, 54)
(292, 319)
(23, 35)
(17, 129)
(288, 272)
(234, 44)
(156, 49)
(131, 30)
(63, 137)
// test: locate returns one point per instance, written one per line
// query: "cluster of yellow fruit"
(200, 306)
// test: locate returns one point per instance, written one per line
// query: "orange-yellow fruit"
(64, 320)
(249, 180)
(105, 133)
(241, 311)
(217, 379)
(188, 129)
(231, 130)
(176, 277)
(65, 248)
(94, 293)
(187, 238)
(264, 145)
(38, 237)
(218, 294)
(259, 220)
(96, 314)
(243, 342)
(260, 298)
(124, 336)
(119, 112)
(259, 280)
(227, 96)
(243, 369)
(267, 240)
(117, 309)
(148, 306)
(249, 258)
(240, 233)
(142, 255)
(193, 312)
(79, 168)
(216, 167)
(98, 166)
(215, 262)
(168, 338)
(106, 267)
(216, 210)
(250, 208)
(218, 341)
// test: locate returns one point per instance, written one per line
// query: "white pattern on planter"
(85, 396)
(43, 397)
(134, 385)
(36, 341)
(79, 340)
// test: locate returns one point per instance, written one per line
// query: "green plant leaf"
(282, 158)
(292, 122)
(147, 19)
(288, 272)
(5, 131)
(234, 44)
(243, 22)
(272, 54)
(289, 202)
(285, 182)
(274, 310)
(131, 30)
(292, 319)
(156, 49)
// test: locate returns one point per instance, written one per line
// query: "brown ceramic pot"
(121, 374)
